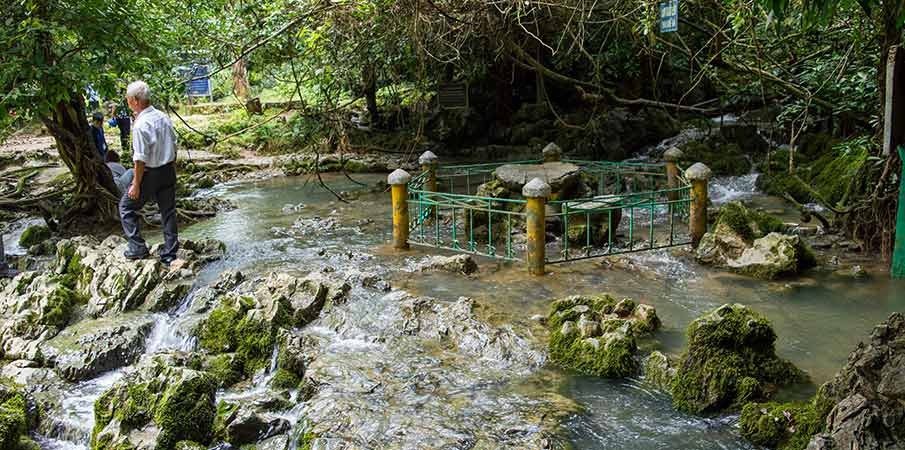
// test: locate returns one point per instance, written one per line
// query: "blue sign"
(200, 84)
(669, 16)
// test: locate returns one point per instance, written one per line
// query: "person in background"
(121, 118)
(153, 151)
(97, 134)
(94, 100)
(121, 176)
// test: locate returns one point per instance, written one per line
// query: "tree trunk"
(96, 195)
(369, 80)
(241, 87)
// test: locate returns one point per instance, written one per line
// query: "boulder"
(156, 406)
(18, 417)
(863, 402)
(773, 256)
(95, 346)
(785, 426)
(463, 264)
(659, 370)
(34, 235)
(245, 426)
(602, 215)
(562, 177)
(246, 322)
(596, 335)
(735, 229)
(730, 360)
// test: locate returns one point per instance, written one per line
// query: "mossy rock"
(33, 235)
(285, 379)
(226, 368)
(178, 401)
(659, 370)
(14, 422)
(783, 426)
(748, 223)
(774, 256)
(228, 329)
(726, 159)
(730, 360)
(595, 335)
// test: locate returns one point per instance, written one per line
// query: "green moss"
(228, 330)
(33, 235)
(189, 445)
(306, 440)
(226, 369)
(285, 379)
(784, 426)
(564, 310)
(833, 172)
(13, 419)
(748, 224)
(186, 411)
(727, 159)
(730, 359)
(612, 357)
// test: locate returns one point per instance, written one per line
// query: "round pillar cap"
(536, 188)
(672, 154)
(428, 158)
(398, 177)
(698, 171)
(552, 152)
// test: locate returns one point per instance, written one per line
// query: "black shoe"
(167, 261)
(132, 257)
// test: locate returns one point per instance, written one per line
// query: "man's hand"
(134, 191)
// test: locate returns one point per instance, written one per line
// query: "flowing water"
(292, 226)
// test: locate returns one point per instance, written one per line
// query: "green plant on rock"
(747, 223)
(186, 411)
(730, 359)
(16, 418)
(783, 426)
(284, 379)
(229, 330)
(33, 235)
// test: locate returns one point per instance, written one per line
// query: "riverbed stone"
(595, 335)
(773, 256)
(863, 402)
(245, 426)
(463, 264)
(560, 176)
(659, 370)
(158, 405)
(730, 360)
(18, 417)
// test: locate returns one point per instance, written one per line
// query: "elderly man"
(153, 151)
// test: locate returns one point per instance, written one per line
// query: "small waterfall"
(727, 189)
(167, 334)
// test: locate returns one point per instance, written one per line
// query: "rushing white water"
(14, 232)
(727, 189)
(47, 443)
(75, 419)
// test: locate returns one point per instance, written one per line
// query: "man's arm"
(135, 189)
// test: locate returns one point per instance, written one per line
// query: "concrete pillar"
(672, 156)
(698, 174)
(398, 181)
(536, 191)
(429, 163)
(552, 153)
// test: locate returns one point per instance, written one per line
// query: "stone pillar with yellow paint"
(398, 181)
(536, 192)
(698, 174)
(429, 163)
(672, 156)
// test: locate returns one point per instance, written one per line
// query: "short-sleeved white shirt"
(153, 138)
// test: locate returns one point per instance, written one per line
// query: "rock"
(245, 426)
(863, 402)
(659, 370)
(246, 322)
(786, 426)
(730, 360)
(34, 235)
(735, 230)
(604, 218)
(166, 295)
(607, 348)
(773, 256)
(156, 406)
(18, 417)
(463, 264)
(854, 272)
(95, 346)
(552, 153)
(33, 308)
(560, 176)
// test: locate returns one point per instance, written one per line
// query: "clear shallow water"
(818, 319)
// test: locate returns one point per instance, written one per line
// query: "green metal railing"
(623, 207)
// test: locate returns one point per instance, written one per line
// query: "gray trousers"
(158, 184)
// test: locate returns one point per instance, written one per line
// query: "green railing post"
(398, 181)
(536, 191)
(698, 174)
(898, 253)
(672, 156)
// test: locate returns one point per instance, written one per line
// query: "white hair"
(139, 90)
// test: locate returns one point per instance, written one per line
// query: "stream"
(293, 226)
